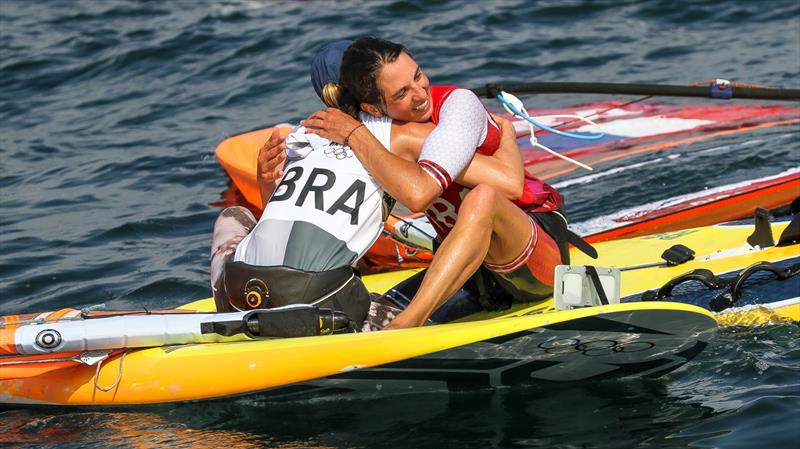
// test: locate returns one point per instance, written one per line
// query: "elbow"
(421, 194)
(419, 200)
(418, 203)
(515, 187)
(517, 190)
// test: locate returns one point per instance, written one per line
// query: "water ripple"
(109, 189)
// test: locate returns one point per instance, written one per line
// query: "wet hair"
(361, 65)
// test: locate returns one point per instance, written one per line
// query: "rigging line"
(595, 114)
(515, 106)
(647, 97)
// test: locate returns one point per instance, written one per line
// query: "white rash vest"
(327, 210)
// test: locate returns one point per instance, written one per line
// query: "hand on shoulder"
(332, 124)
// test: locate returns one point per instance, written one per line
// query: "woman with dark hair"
(323, 212)
(478, 222)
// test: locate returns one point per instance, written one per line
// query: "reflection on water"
(39, 429)
(576, 415)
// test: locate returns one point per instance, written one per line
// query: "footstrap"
(730, 297)
(701, 274)
(734, 286)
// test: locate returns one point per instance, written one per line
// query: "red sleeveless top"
(537, 196)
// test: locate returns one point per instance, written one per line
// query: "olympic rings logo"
(339, 152)
(593, 348)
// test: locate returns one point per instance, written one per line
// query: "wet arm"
(503, 170)
(405, 180)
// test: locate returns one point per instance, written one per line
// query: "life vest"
(326, 211)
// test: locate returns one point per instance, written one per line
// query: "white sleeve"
(380, 127)
(451, 145)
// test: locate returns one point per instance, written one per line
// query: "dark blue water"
(109, 114)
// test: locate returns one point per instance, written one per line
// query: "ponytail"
(336, 96)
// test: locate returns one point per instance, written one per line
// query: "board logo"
(48, 339)
(593, 348)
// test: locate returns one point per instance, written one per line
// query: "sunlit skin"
(489, 226)
(405, 97)
(405, 92)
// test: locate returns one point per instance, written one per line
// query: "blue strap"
(547, 128)
(722, 92)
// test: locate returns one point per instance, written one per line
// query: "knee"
(233, 224)
(239, 214)
(479, 202)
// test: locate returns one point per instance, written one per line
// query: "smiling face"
(405, 91)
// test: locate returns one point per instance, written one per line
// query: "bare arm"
(269, 169)
(417, 187)
(405, 180)
(503, 170)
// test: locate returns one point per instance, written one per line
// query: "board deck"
(488, 348)
(613, 345)
(180, 373)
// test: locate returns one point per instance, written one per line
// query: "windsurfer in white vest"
(519, 237)
(324, 212)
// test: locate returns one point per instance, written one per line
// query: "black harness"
(555, 224)
(249, 287)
